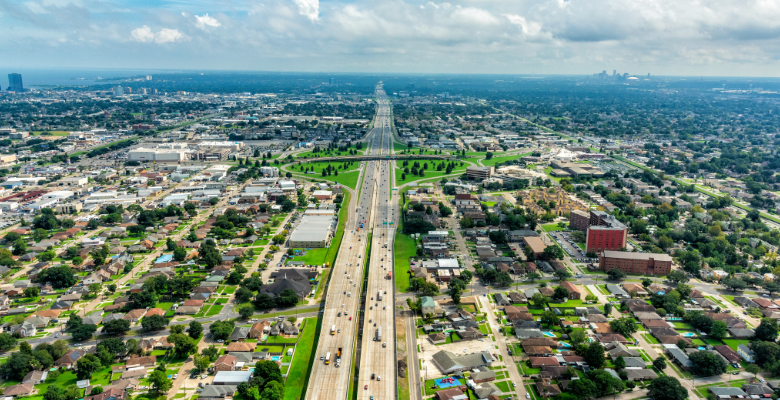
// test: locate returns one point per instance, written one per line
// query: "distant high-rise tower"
(614, 72)
(332, 81)
(149, 77)
(15, 83)
(648, 75)
(118, 90)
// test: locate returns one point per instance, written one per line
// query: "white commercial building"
(172, 153)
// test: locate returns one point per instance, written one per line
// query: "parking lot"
(568, 244)
(429, 370)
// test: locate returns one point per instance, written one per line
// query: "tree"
(211, 352)
(201, 362)
(533, 276)
(616, 274)
(666, 388)
(583, 388)
(46, 256)
(154, 322)
(221, 330)
(7, 341)
(195, 330)
(607, 309)
(620, 363)
(32, 292)
(677, 277)
(243, 295)
(264, 301)
(734, 284)
(578, 337)
(246, 311)
(116, 327)
(553, 252)
(594, 355)
(659, 363)
(549, 318)
(560, 293)
(160, 382)
(87, 365)
(179, 254)
(705, 364)
(184, 345)
(539, 299)
(719, 330)
(83, 332)
(624, 326)
(94, 288)
(77, 261)
(753, 369)
(96, 390)
(646, 282)
(115, 346)
(562, 274)
(767, 330)
(60, 277)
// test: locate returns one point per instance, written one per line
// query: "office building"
(118, 90)
(15, 83)
(479, 172)
(636, 263)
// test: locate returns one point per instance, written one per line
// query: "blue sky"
(662, 37)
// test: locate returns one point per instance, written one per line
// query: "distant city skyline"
(663, 37)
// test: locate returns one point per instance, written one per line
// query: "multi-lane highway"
(330, 375)
(376, 375)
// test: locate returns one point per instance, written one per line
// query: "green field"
(429, 173)
(313, 256)
(497, 160)
(214, 310)
(551, 227)
(336, 242)
(302, 360)
(405, 247)
(320, 165)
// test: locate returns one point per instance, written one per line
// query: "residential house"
(746, 353)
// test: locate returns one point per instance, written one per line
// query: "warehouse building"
(313, 231)
(168, 153)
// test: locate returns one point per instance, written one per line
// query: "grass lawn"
(569, 303)
(312, 257)
(333, 250)
(164, 305)
(503, 385)
(526, 370)
(683, 326)
(281, 340)
(405, 247)
(650, 339)
(229, 290)
(261, 242)
(429, 173)
(551, 227)
(302, 360)
(497, 160)
(733, 343)
(318, 166)
(214, 310)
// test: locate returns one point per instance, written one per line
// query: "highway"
(377, 368)
(330, 375)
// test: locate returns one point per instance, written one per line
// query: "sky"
(661, 37)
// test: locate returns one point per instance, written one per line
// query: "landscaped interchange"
(534, 252)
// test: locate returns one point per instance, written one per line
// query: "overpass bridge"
(373, 157)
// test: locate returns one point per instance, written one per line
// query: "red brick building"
(636, 263)
(606, 238)
(579, 220)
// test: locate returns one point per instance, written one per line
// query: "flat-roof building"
(313, 231)
(636, 263)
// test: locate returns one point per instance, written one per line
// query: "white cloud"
(309, 8)
(144, 34)
(206, 20)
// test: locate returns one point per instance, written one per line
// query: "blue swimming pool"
(275, 358)
(548, 334)
(564, 344)
(164, 258)
(688, 334)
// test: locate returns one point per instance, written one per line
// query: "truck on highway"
(327, 358)
(379, 297)
(338, 358)
(389, 274)
(333, 330)
(361, 224)
(378, 337)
